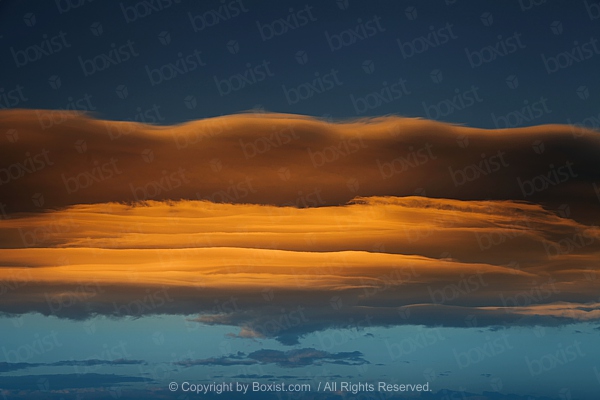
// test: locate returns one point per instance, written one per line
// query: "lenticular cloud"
(282, 225)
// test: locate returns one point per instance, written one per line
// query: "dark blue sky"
(482, 63)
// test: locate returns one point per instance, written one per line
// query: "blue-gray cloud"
(286, 359)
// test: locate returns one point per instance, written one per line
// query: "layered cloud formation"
(55, 158)
(284, 271)
(284, 225)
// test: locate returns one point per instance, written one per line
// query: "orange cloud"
(283, 224)
(242, 264)
(54, 159)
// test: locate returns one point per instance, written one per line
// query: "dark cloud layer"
(54, 159)
(45, 383)
(10, 367)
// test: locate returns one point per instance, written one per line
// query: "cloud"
(226, 361)
(65, 381)
(304, 357)
(92, 362)
(283, 272)
(284, 159)
(285, 359)
(283, 225)
(9, 367)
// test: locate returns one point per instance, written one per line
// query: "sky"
(485, 64)
(328, 195)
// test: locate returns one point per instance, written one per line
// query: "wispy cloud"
(225, 361)
(9, 367)
(286, 359)
(66, 381)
